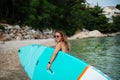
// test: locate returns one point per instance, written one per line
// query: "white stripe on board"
(92, 74)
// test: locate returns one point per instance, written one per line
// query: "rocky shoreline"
(92, 34)
(22, 33)
(12, 33)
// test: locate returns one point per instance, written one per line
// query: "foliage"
(118, 6)
(116, 24)
(111, 27)
(67, 15)
(2, 27)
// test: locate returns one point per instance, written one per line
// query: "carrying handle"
(50, 71)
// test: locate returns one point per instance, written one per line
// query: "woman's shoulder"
(62, 43)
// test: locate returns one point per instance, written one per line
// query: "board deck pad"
(34, 59)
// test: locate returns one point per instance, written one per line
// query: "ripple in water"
(102, 53)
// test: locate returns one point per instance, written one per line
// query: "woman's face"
(58, 37)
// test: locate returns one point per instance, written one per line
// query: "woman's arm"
(57, 48)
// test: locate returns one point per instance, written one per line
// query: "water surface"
(102, 53)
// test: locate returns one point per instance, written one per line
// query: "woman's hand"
(48, 66)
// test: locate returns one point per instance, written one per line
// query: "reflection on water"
(102, 53)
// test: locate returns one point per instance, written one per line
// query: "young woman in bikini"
(62, 45)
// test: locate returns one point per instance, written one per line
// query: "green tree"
(118, 6)
(68, 15)
(2, 27)
(93, 19)
(116, 24)
(7, 9)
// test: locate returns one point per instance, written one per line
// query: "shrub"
(2, 27)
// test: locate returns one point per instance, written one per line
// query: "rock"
(17, 27)
(18, 38)
(17, 33)
(33, 31)
(27, 28)
(95, 33)
(9, 27)
(6, 37)
(36, 35)
(87, 34)
(12, 35)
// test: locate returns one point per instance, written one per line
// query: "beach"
(10, 68)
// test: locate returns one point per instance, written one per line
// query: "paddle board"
(34, 59)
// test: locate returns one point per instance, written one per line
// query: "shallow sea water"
(102, 53)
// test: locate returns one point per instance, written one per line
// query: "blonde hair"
(63, 35)
(64, 38)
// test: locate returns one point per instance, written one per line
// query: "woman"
(62, 44)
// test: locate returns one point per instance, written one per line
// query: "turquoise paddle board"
(34, 59)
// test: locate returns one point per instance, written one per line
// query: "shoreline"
(10, 67)
(16, 44)
(92, 34)
(13, 46)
